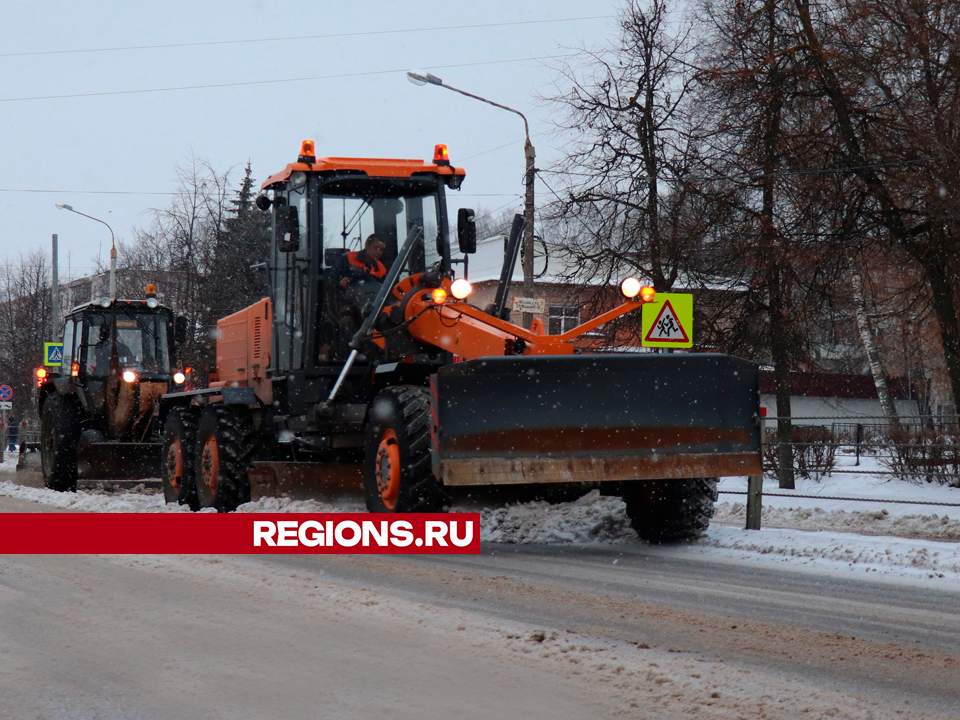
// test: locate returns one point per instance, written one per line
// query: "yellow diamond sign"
(668, 321)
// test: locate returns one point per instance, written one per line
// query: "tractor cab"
(324, 212)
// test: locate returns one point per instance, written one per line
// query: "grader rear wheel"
(177, 465)
(224, 449)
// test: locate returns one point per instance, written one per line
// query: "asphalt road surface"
(516, 632)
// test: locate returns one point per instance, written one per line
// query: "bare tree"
(625, 196)
(25, 324)
(889, 73)
(178, 250)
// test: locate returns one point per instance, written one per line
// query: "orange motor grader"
(405, 386)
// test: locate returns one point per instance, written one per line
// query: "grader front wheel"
(397, 476)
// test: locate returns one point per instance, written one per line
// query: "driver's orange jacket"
(375, 269)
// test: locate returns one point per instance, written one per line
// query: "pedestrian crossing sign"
(668, 321)
(52, 353)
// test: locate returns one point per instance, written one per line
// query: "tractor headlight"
(179, 378)
(129, 376)
(152, 302)
(460, 288)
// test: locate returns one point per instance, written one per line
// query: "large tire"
(663, 511)
(59, 431)
(178, 464)
(397, 474)
(224, 451)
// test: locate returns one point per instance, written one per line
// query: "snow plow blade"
(595, 418)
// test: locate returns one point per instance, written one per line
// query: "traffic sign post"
(6, 403)
(667, 322)
(52, 353)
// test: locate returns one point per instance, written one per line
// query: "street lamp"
(113, 248)
(424, 78)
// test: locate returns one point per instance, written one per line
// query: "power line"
(501, 147)
(85, 192)
(273, 82)
(303, 37)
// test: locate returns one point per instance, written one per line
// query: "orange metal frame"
(472, 333)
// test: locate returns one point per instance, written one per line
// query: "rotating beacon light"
(307, 153)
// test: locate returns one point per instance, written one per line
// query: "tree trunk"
(781, 375)
(873, 356)
(938, 275)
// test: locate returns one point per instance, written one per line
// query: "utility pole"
(530, 154)
(55, 290)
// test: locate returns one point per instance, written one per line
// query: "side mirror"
(288, 228)
(467, 231)
(180, 330)
(263, 202)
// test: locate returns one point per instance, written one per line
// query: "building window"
(563, 319)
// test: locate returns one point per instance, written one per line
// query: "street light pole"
(113, 248)
(421, 78)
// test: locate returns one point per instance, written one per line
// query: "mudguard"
(595, 418)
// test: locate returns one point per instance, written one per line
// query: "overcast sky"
(85, 148)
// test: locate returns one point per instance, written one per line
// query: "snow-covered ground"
(887, 534)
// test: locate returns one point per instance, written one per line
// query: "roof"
(132, 301)
(835, 385)
(487, 263)
(374, 167)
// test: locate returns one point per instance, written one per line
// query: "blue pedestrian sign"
(6, 392)
(52, 353)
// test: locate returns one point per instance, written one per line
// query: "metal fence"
(918, 449)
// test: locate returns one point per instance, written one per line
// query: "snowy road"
(519, 631)
(568, 615)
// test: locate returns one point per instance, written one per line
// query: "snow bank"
(840, 553)
(140, 499)
(591, 519)
(880, 521)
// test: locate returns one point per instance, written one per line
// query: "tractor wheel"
(397, 476)
(59, 430)
(224, 449)
(177, 465)
(663, 511)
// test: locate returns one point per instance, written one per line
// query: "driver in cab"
(364, 266)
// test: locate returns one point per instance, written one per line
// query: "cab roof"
(139, 303)
(373, 167)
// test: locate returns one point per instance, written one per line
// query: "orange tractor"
(410, 390)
